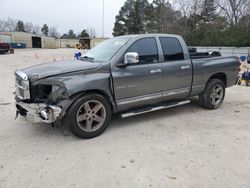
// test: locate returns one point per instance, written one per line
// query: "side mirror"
(131, 58)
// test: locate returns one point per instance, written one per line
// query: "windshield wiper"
(87, 58)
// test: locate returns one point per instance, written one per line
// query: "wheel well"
(100, 92)
(220, 76)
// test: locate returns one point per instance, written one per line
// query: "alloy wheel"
(91, 116)
(216, 95)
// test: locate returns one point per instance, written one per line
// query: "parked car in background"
(6, 48)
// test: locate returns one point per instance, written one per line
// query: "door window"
(147, 50)
(172, 49)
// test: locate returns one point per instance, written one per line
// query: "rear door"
(177, 71)
(139, 84)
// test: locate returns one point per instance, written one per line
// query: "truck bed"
(201, 55)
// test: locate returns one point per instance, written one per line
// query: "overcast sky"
(64, 14)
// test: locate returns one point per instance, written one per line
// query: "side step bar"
(138, 112)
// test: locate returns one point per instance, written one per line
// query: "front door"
(139, 84)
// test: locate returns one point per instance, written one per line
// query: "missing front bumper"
(38, 112)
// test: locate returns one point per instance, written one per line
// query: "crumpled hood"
(57, 68)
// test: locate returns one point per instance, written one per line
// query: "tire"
(89, 116)
(213, 95)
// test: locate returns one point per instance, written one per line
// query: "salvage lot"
(180, 147)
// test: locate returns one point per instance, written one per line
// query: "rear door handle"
(185, 67)
(155, 71)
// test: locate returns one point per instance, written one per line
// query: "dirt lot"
(180, 147)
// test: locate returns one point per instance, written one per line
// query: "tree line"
(11, 25)
(200, 22)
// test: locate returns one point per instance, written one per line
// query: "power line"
(103, 19)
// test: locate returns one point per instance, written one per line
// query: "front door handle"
(185, 67)
(155, 71)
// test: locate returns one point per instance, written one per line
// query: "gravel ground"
(185, 146)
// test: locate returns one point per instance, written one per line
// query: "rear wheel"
(89, 116)
(213, 95)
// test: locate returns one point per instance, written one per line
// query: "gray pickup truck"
(127, 75)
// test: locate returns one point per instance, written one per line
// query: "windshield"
(105, 50)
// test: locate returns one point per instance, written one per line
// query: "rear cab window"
(172, 49)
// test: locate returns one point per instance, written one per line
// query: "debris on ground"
(5, 104)
(171, 177)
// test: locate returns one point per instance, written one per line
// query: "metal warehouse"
(30, 40)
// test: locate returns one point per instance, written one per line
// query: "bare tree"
(189, 7)
(36, 29)
(10, 25)
(53, 32)
(184, 6)
(2, 25)
(234, 10)
(28, 26)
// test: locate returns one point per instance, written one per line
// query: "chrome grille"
(19, 88)
(22, 85)
(19, 81)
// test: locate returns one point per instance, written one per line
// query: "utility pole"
(103, 19)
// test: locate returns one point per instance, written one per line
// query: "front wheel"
(89, 116)
(213, 95)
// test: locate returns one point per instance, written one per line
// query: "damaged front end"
(38, 113)
(41, 101)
